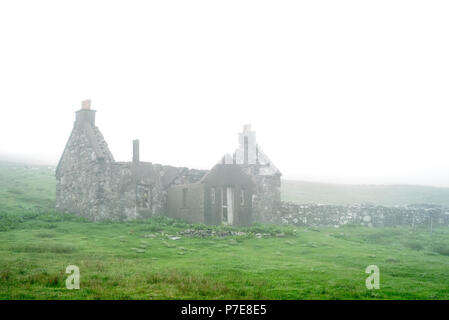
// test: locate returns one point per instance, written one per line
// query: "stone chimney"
(247, 154)
(85, 104)
(136, 151)
(85, 114)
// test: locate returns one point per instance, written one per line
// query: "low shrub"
(443, 250)
(414, 245)
(9, 221)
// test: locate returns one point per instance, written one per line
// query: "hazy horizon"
(38, 161)
(335, 95)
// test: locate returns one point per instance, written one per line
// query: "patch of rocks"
(204, 233)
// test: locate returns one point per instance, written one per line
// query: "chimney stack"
(136, 150)
(85, 114)
(85, 104)
(247, 153)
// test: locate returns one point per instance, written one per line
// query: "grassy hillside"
(388, 195)
(146, 260)
(25, 191)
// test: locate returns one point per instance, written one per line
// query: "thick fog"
(337, 91)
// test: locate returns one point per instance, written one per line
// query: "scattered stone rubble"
(203, 233)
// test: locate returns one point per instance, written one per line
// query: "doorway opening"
(227, 208)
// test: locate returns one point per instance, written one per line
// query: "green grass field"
(139, 259)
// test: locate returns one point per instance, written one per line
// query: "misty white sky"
(338, 91)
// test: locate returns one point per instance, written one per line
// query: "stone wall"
(192, 210)
(267, 199)
(364, 214)
(80, 180)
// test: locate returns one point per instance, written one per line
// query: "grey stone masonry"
(90, 183)
(369, 215)
(266, 177)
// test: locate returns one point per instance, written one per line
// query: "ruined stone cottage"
(239, 190)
